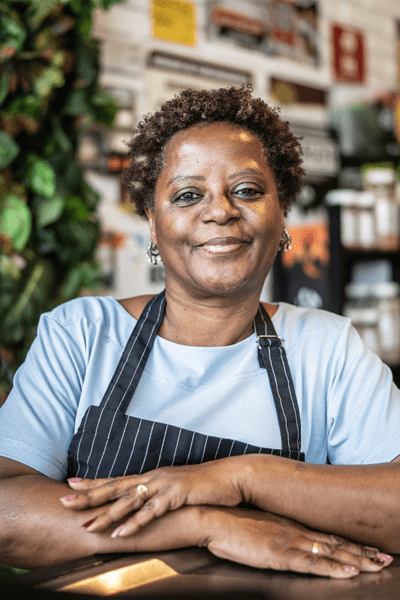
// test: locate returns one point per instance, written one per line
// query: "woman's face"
(216, 220)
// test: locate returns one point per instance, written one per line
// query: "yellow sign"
(174, 21)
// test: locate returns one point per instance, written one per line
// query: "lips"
(223, 245)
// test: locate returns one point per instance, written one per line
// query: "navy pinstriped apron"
(110, 443)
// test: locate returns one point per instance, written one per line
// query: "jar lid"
(343, 197)
(379, 176)
(387, 289)
(358, 290)
(362, 316)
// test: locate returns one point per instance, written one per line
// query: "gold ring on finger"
(142, 490)
(314, 548)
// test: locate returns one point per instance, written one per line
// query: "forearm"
(358, 502)
(39, 530)
(36, 529)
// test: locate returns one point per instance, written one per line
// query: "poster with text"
(168, 74)
(281, 28)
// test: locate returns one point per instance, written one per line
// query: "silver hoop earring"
(285, 242)
(153, 254)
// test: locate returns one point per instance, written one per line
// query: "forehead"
(225, 139)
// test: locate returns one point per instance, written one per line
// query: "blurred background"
(76, 76)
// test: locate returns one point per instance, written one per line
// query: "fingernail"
(351, 570)
(372, 553)
(117, 531)
(88, 523)
(75, 480)
(385, 557)
(68, 498)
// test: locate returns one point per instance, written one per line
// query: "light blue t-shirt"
(349, 407)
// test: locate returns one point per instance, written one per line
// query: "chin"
(219, 287)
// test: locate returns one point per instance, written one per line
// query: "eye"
(186, 197)
(247, 191)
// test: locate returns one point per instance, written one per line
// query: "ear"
(150, 216)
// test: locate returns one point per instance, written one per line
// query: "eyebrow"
(201, 178)
(185, 177)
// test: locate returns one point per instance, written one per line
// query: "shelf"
(376, 251)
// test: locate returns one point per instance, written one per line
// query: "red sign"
(348, 54)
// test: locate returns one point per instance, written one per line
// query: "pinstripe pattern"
(272, 356)
(109, 443)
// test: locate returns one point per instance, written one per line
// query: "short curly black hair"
(233, 105)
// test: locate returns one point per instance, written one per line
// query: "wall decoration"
(285, 28)
(349, 54)
(302, 276)
(174, 21)
(289, 92)
(168, 74)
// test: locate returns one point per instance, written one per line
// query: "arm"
(357, 502)
(35, 529)
(361, 418)
(360, 502)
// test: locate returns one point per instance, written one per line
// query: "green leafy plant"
(49, 95)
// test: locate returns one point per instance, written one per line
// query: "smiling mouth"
(223, 245)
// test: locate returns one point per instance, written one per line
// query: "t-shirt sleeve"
(38, 418)
(363, 419)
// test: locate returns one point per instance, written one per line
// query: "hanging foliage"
(49, 95)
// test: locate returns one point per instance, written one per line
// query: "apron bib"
(110, 443)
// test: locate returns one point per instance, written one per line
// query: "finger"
(284, 559)
(96, 496)
(117, 511)
(78, 483)
(154, 508)
(144, 516)
(347, 553)
(297, 560)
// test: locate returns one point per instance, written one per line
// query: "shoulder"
(309, 320)
(89, 308)
(84, 320)
(134, 306)
(313, 328)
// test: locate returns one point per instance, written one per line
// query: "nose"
(220, 209)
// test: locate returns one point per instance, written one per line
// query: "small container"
(362, 309)
(367, 237)
(389, 321)
(347, 200)
(381, 183)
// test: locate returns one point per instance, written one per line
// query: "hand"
(168, 488)
(263, 540)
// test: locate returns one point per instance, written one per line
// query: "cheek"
(172, 226)
(269, 222)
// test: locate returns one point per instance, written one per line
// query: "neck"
(214, 321)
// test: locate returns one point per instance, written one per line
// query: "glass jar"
(362, 309)
(389, 321)
(367, 237)
(381, 183)
(347, 200)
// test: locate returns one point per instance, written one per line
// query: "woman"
(198, 378)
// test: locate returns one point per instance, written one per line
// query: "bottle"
(347, 200)
(381, 183)
(367, 237)
(388, 297)
(362, 308)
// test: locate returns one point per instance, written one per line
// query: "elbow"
(10, 549)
